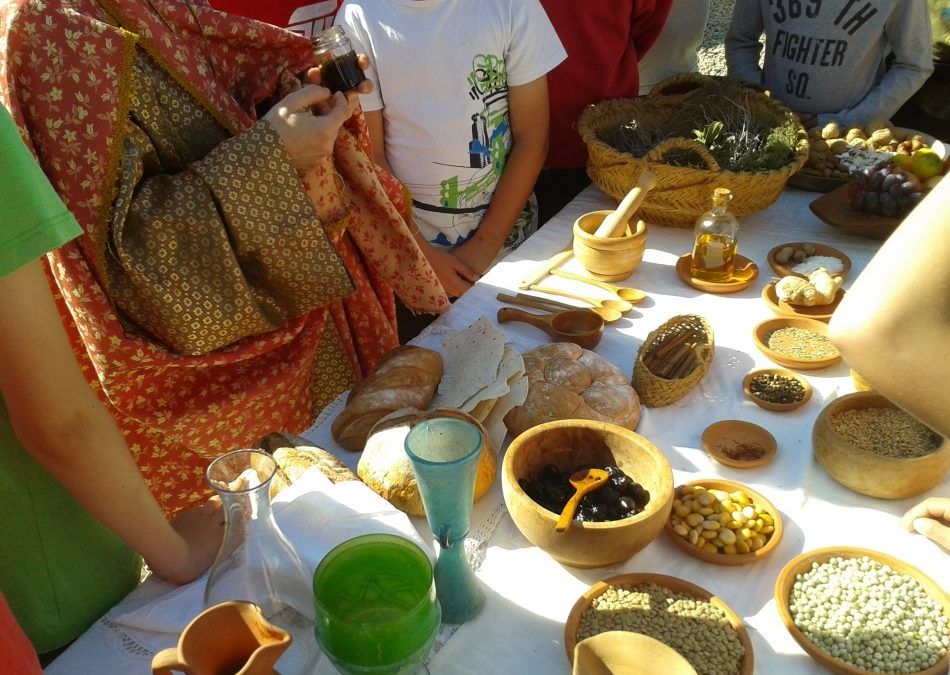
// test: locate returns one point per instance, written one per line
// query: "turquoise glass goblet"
(444, 455)
(375, 605)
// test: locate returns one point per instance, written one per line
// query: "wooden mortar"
(608, 259)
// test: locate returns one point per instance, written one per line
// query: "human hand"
(475, 254)
(314, 76)
(455, 276)
(200, 531)
(930, 518)
(308, 136)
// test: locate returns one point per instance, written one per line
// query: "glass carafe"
(716, 240)
(256, 563)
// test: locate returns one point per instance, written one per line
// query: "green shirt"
(60, 570)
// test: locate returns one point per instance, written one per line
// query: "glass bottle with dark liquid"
(337, 60)
(716, 233)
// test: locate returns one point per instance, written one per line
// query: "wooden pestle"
(615, 223)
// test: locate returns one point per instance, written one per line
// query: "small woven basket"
(682, 193)
(655, 391)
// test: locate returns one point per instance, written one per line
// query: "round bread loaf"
(385, 467)
(568, 382)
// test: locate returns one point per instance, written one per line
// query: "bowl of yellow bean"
(723, 522)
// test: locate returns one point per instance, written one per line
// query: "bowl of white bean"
(857, 612)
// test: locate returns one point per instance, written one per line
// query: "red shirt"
(300, 16)
(604, 40)
(16, 653)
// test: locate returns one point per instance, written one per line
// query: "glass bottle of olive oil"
(716, 233)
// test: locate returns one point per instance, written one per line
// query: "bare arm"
(377, 138)
(63, 425)
(528, 107)
(742, 42)
(893, 326)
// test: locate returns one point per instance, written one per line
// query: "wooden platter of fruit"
(879, 197)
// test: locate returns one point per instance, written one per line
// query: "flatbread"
(494, 423)
(511, 364)
(471, 358)
(483, 408)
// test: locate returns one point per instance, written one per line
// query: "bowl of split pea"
(795, 342)
(868, 444)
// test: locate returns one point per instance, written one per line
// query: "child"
(459, 114)
(824, 59)
(676, 50)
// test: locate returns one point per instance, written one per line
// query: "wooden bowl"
(725, 558)
(568, 444)
(776, 407)
(619, 651)
(729, 432)
(859, 382)
(867, 472)
(803, 562)
(750, 269)
(782, 308)
(760, 335)
(834, 208)
(571, 626)
(820, 249)
(612, 259)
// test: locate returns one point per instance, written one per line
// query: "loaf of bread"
(295, 456)
(568, 382)
(406, 377)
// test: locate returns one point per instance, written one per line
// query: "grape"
(890, 181)
(873, 202)
(859, 201)
(875, 181)
(915, 198)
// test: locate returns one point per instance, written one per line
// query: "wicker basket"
(657, 391)
(682, 193)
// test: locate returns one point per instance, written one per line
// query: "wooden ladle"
(632, 295)
(580, 326)
(584, 481)
(620, 305)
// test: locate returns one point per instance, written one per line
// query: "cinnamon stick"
(686, 366)
(671, 362)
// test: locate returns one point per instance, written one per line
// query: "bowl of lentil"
(777, 389)
(691, 620)
(868, 444)
(857, 611)
(733, 524)
(782, 308)
(566, 445)
(739, 444)
(818, 258)
(796, 342)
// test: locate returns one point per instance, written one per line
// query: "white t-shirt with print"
(441, 69)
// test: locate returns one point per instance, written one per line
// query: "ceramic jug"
(232, 638)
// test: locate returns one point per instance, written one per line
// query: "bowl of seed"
(776, 389)
(796, 342)
(691, 620)
(723, 522)
(739, 444)
(868, 444)
(857, 612)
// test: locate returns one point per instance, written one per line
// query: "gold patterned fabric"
(213, 238)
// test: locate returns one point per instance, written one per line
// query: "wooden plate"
(724, 558)
(728, 432)
(820, 249)
(768, 405)
(835, 209)
(781, 308)
(760, 335)
(803, 562)
(676, 585)
(742, 264)
(812, 183)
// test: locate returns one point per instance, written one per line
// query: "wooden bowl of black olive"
(614, 521)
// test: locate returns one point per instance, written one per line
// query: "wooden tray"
(723, 558)
(835, 209)
(820, 249)
(762, 330)
(719, 287)
(803, 562)
(731, 430)
(804, 181)
(746, 666)
(780, 308)
(768, 405)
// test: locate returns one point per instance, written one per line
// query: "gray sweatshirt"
(826, 57)
(675, 50)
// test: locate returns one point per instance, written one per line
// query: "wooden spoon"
(584, 481)
(580, 326)
(620, 305)
(633, 295)
(537, 302)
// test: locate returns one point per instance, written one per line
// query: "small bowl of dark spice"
(776, 389)
(870, 445)
(739, 444)
(796, 342)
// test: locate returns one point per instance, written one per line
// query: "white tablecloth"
(528, 594)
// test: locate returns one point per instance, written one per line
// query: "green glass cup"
(375, 605)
